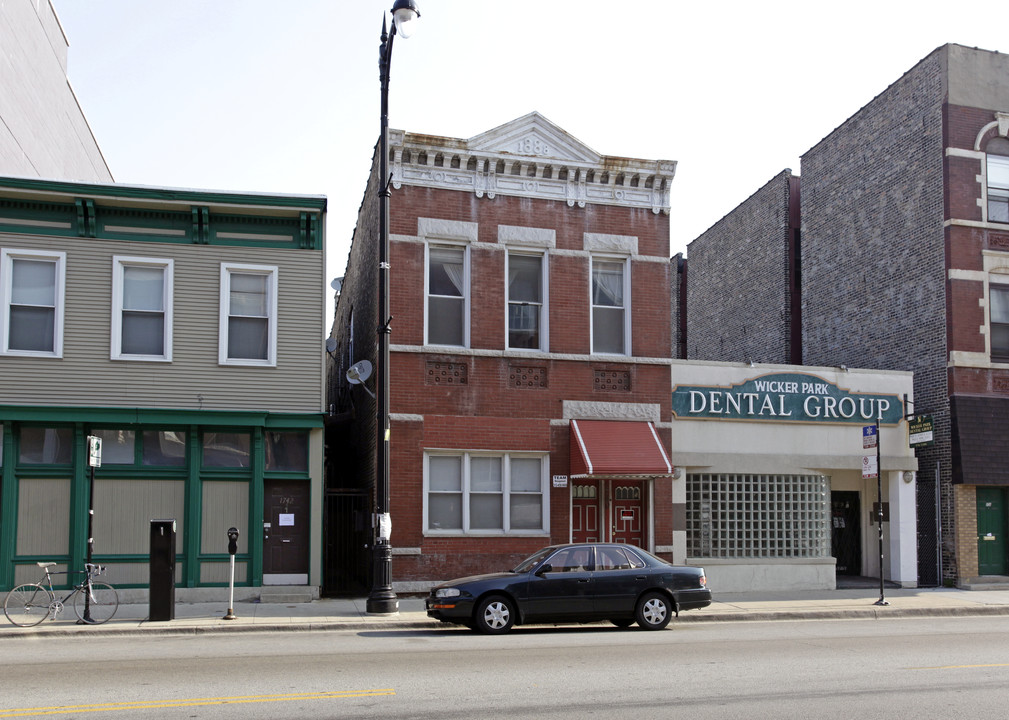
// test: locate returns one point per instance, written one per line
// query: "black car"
(581, 582)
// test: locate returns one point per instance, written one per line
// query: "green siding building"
(185, 329)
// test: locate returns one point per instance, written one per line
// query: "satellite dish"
(330, 344)
(358, 373)
(337, 284)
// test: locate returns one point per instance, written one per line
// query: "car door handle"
(641, 577)
(585, 579)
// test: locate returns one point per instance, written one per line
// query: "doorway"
(991, 531)
(608, 511)
(846, 532)
(285, 532)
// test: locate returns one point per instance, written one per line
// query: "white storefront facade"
(776, 486)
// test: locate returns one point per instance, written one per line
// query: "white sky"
(283, 95)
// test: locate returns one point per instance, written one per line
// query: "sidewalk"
(351, 614)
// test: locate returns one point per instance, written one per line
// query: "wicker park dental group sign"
(794, 397)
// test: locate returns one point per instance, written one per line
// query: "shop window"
(119, 447)
(758, 516)
(526, 307)
(609, 306)
(32, 289)
(484, 493)
(997, 167)
(287, 451)
(226, 450)
(163, 448)
(142, 308)
(999, 321)
(248, 322)
(447, 295)
(46, 446)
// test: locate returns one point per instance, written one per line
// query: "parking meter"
(232, 550)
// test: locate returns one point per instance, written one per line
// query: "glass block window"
(758, 516)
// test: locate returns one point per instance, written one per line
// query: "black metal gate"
(346, 542)
(929, 534)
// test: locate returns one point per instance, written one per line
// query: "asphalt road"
(900, 668)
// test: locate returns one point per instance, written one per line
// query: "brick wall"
(873, 251)
(738, 294)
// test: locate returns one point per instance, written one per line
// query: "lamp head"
(404, 12)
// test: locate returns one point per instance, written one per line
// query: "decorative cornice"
(529, 157)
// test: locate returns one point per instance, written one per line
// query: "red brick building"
(530, 352)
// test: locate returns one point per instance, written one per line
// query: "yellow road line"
(949, 667)
(192, 702)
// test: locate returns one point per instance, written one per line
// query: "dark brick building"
(530, 350)
(903, 265)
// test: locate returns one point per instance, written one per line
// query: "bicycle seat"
(46, 564)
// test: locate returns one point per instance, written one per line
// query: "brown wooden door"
(585, 512)
(628, 513)
(286, 532)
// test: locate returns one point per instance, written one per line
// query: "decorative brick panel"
(611, 380)
(447, 373)
(527, 376)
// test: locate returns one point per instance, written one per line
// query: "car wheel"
(494, 616)
(622, 622)
(654, 611)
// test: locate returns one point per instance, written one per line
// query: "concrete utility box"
(162, 587)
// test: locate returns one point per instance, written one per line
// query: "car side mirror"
(544, 569)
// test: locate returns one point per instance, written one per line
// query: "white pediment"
(533, 135)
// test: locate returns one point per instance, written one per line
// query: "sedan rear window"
(614, 558)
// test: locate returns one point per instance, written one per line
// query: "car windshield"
(532, 561)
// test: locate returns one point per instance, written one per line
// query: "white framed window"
(998, 300)
(248, 323)
(470, 493)
(997, 170)
(527, 301)
(610, 305)
(142, 308)
(447, 295)
(32, 288)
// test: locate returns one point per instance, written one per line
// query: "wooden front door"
(628, 514)
(585, 511)
(285, 532)
(991, 531)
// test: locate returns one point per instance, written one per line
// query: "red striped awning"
(613, 448)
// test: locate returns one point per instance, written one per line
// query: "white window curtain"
(446, 302)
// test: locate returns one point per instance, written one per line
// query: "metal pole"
(879, 514)
(91, 540)
(231, 593)
(382, 599)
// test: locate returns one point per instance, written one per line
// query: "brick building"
(904, 265)
(530, 351)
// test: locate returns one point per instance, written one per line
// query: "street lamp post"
(382, 599)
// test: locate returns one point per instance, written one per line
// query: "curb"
(398, 625)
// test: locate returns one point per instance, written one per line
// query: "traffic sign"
(869, 437)
(870, 468)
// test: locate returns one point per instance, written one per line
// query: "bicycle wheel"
(27, 605)
(100, 606)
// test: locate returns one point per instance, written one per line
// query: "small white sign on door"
(286, 519)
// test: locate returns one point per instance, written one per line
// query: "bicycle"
(31, 603)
